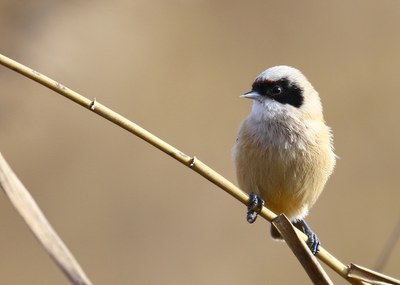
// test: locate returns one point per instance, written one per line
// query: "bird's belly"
(281, 177)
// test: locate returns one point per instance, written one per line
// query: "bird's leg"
(313, 241)
(254, 207)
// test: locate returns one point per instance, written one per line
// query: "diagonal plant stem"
(191, 162)
(41, 228)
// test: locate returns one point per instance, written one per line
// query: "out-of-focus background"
(131, 214)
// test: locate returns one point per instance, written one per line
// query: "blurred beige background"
(132, 215)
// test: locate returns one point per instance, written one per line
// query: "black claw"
(254, 207)
(251, 216)
(313, 241)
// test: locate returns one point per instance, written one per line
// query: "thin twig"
(37, 222)
(191, 162)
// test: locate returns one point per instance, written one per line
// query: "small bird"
(284, 151)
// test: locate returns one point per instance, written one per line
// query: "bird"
(284, 150)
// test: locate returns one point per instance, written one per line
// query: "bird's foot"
(312, 241)
(254, 207)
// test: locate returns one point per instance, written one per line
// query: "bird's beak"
(251, 95)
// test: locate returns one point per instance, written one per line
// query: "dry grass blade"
(370, 276)
(36, 221)
(301, 250)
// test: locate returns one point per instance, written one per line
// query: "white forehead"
(283, 71)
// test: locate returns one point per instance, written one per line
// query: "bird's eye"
(276, 90)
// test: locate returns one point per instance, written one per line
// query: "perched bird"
(284, 150)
